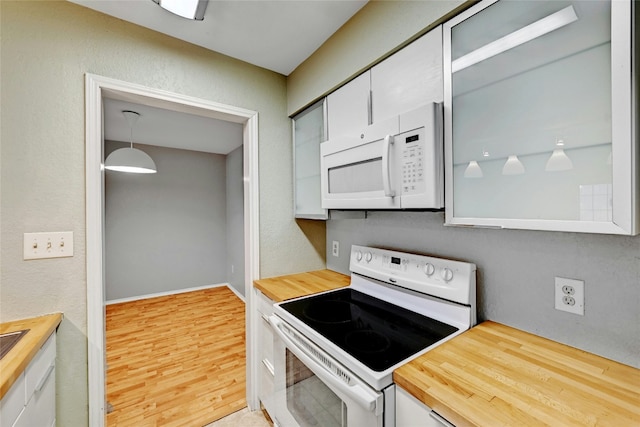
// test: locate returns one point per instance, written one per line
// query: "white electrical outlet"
(569, 295)
(335, 248)
(48, 245)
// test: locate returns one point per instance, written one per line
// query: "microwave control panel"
(412, 159)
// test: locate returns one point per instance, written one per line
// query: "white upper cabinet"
(349, 108)
(409, 78)
(539, 101)
(404, 81)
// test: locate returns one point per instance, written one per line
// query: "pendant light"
(513, 166)
(558, 161)
(130, 159)
(473, 170)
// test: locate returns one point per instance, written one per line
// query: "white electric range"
(335, 352)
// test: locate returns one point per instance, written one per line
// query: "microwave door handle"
(363, 397)
(386, 166)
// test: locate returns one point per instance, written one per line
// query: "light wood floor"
(177, 360)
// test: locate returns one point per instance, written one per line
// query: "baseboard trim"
(175, 292)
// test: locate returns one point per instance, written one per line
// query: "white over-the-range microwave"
(393, 164)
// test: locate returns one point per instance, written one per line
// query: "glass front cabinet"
(309, 131)
(540, 116)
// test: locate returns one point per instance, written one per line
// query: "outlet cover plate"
(335, 248)
(577, 294)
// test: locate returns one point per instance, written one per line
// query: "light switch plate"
(57, 244)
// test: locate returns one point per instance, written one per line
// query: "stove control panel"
(440, 277)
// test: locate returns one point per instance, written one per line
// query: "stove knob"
(358, 256)
(368, 256)
(429, 269)
(446, 274)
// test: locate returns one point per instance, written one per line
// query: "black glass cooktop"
(377, 333)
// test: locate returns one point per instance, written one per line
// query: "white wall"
(235, 221)
(47, 47)
(166, 231)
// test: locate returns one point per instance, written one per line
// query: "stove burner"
(367, 341)
(331, 312)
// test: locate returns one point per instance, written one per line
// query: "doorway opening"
(97, 90)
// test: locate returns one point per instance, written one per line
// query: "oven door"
(312, 389)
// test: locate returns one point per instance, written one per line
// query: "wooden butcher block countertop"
(296, 285)
(17, 359)
(494, 375)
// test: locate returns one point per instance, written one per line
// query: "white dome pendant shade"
(473, 170)
(130, 159)
(513, 166)
(558, 161)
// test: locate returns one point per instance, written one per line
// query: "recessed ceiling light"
(190, 9)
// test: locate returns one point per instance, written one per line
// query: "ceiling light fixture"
(558, 161)
(513, 166)
(130, 159)
(532, 31)
(190, 9)
(473, 170)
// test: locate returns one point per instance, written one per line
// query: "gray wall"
(235, 220)
(516, 271)
(166, 231)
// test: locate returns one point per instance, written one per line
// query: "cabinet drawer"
(266, 342)
(41, 367)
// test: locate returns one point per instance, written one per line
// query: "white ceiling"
(167, 128)
(274, 34)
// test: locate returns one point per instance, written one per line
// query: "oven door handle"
(363, 397)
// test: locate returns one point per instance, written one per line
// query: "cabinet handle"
(439, 418)
(266, 318)
(386, 166)
(269, 367)
(46, 376)
(370, 108)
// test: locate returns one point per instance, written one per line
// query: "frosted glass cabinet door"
(539, 130)
(309, 131)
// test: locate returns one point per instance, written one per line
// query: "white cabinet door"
(348, 108)
(13, 402)
(40, 380)
(540, 131)
(41, 409)
(31, 400)
(409, 78)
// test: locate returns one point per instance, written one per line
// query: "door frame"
(97, 88)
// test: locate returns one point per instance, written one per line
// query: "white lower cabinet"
(31, 401)
(410, 412)
(265, 351)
